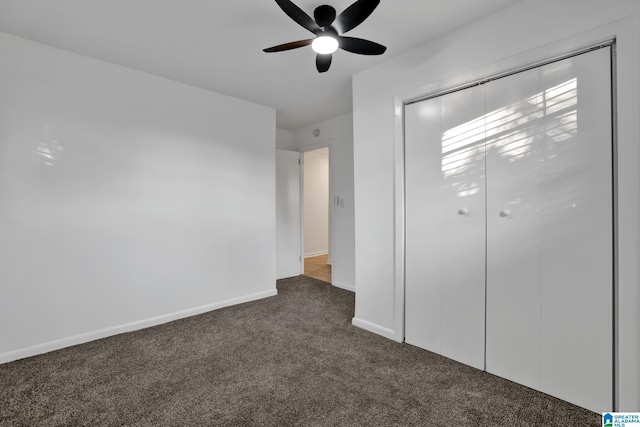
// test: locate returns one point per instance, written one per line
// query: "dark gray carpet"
(294, 359)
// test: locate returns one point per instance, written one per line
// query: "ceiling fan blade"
(288, 46)
(324, 15)
(299, 16)
(354, 15)
(361, 46)
(323, 62)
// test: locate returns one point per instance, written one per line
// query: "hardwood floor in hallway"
(318, 268)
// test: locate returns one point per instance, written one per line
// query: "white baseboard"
(372, 327)
(128, 327)
(344, 286)
(312, 254)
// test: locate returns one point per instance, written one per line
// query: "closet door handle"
(505, 214)
(463, 212)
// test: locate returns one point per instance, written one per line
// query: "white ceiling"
(217, 45)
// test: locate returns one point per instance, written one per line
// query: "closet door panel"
(423, 225)
(576, 229)
(444, 166)
(463, 264)
(513, 228)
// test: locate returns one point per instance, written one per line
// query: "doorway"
(317, 214)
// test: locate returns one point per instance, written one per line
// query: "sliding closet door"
(445, 225)
(577, 231)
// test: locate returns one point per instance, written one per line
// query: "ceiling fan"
(329, 29)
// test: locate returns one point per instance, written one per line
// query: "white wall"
(126, 200)
(531, 29)
(337, 133)
(284, 140)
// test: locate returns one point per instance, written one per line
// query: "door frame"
(327, 143)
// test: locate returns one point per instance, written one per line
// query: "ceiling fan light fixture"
(324, 45)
